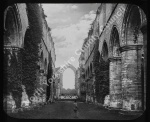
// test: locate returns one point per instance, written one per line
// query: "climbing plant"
(49, 75)
(101, 75)
(96, 69)
(12, 75)
(32, 41)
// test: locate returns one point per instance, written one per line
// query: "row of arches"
(14, 25)
(21, 49)
(13, 41)
(130, 33)
(123, 52)
(118, 66)
(113, 50)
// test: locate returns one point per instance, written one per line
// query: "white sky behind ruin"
(69, 25)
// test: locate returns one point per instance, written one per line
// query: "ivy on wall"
(49, 75)
(32, 41)
(101, 75)
(12, 75)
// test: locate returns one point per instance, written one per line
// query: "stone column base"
(131, 112)
(113, 109)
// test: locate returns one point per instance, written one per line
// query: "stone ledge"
(113, 109)
(130, 47)
(131, 112)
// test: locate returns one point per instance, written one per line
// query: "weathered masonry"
(58, 78)
(82, 83)
(116, 68)
(29, 55)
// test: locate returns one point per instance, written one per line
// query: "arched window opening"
(11, 28)
(105, 52)
(114, 43)
(132, 30)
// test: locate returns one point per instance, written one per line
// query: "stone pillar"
(58, 90)
(131, 77)
(87, 90)
(90, 89)
(115, 82)
(13, 73)
(94, 95)
(52, 87)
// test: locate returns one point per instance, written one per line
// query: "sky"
(69, 25)
(68, 79)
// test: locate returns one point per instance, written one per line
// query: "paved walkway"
(64, 110)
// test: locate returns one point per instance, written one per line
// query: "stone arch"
(115, 70)
(13, 53)
(105, 51)
(61, 70)
(131, 52)
(131, 25)
(114, 43)
(103, 85)
(12, 27)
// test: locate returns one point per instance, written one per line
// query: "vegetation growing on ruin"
(101, 75)
(12, 76)
(32, 40)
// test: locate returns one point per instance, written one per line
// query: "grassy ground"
(64, 110)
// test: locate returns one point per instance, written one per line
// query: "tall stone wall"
(126, 86)
(118, 66)
(22, 52)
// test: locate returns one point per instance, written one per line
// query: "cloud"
(59, 39)
(54, 21)
(60, 14)
(66, 20)
(51, 9)
(74, 6)
(62, 45)
(72, 36)
(70, 24)
(89, 16)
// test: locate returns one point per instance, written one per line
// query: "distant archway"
(61, 71)
(68, 81)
